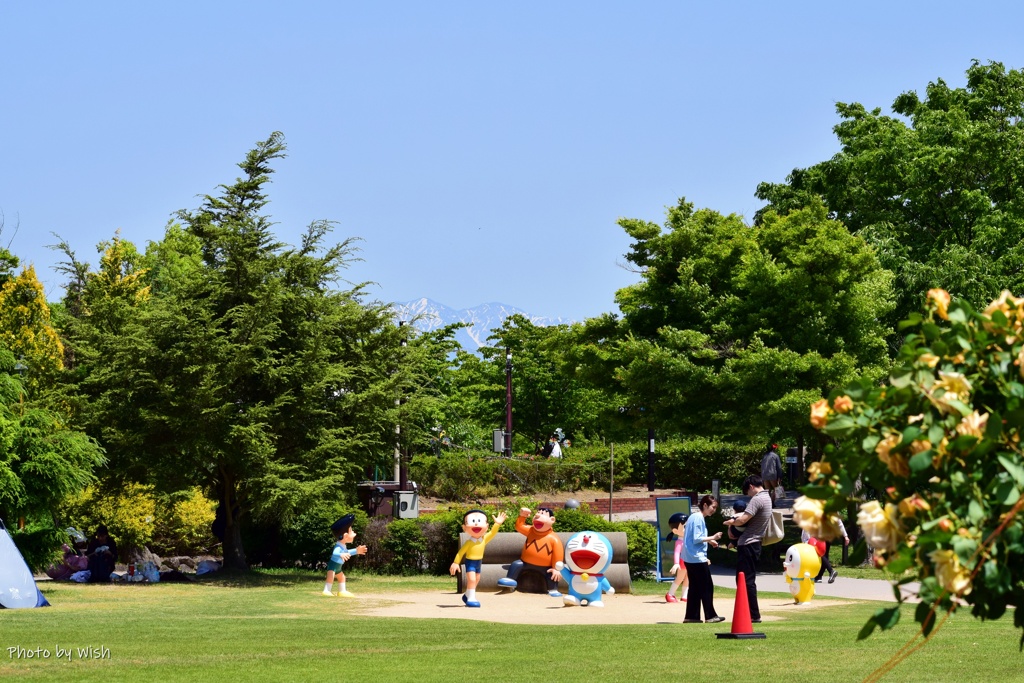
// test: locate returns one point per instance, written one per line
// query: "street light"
(508, 402)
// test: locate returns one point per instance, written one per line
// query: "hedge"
(462, 475)
(689, 464)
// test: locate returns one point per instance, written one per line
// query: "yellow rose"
(919, 446)
(973, 425)
(819, 413)
(897, 463)
(843, 404)
(809, 515)
(1020, 362)
(929, 359)
(909, 507)
(1006, 302)
(940, 298)
(880, 525)
(949, 573)
(955, 387)
(817, 470)
(953, 383)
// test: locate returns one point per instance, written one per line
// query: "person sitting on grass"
(102, 554)
(343, 534)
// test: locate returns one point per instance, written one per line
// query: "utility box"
(406, 504)
(499, 441)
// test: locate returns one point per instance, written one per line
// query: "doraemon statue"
(802, 563)
(588, 555)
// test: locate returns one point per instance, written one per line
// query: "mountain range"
(427, 315)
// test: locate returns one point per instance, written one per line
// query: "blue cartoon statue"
(588, 555)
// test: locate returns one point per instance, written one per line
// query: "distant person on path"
(771, 470)
(826, 564)
(756, 518)
(698, 566)
(677, 524)
(102, 554)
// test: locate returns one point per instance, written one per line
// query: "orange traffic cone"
(742, 627)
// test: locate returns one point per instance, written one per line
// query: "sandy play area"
(524, 608)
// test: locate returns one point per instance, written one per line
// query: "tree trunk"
(234, 553)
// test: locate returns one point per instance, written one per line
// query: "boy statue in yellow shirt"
(474, 523)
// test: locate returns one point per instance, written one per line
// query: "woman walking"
(698, 566)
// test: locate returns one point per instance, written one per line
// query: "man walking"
(756, 518)
(771, 470)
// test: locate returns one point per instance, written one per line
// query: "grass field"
(275, 627)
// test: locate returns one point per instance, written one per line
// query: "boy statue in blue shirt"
(343, 534)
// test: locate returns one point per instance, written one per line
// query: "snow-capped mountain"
(428, 315)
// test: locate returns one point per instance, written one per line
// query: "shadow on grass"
(257, 578)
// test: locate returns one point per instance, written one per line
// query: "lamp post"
(650, 459)
(508, 402)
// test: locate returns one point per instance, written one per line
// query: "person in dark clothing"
(102, 554)
(755, 518)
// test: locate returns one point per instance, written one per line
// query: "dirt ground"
(524, 608)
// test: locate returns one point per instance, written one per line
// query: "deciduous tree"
(935, 187)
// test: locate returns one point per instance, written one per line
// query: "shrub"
(183, 522)
(642, 543)
(306, 540)
(129, 513)
(692, 464)
(39, 542)
(378, 556)
(405, 544)
(458, 476)
(441, 537)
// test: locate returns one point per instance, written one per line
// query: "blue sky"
(482, 151)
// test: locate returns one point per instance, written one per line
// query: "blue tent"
(17, 585)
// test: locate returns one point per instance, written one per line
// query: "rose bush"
(933, 458)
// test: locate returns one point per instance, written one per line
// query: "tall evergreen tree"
(243, 369)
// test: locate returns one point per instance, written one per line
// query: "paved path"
(844, 587)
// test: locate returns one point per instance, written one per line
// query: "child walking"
(677, 524)
(343, 534)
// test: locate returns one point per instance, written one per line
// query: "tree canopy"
(734, 330)
(935, 188)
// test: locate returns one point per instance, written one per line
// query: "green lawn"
(275, 627)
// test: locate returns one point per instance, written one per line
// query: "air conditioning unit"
(406, 504)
